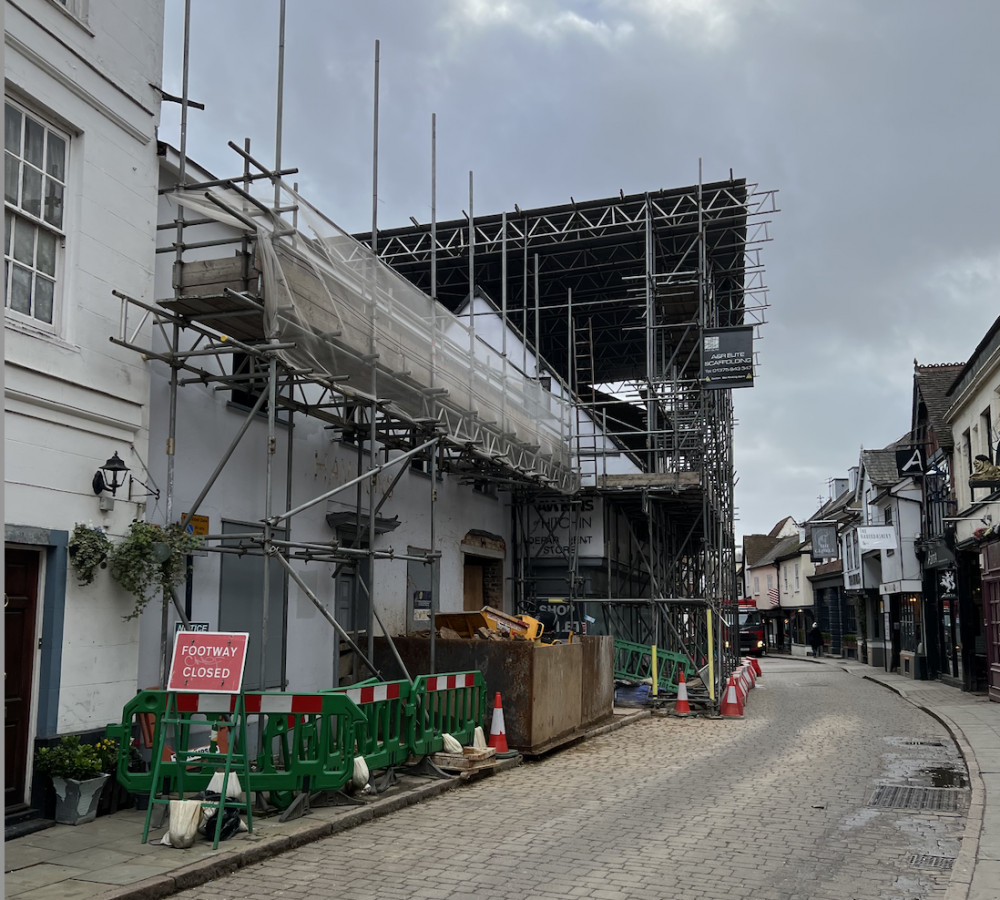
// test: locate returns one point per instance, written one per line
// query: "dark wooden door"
(20, 605)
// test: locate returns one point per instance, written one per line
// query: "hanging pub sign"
(984, 473)
(824, 543)
(727, 357)
(909, 462)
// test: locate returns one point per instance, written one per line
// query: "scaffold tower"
(616, 457)
(615, 295)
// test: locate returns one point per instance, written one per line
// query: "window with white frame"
(756, 585)
(35, 157)
(796, 576)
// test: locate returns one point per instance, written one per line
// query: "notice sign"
(727, 357)
(208, 662)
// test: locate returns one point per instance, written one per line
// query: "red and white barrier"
(448, 682)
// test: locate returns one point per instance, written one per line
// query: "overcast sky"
(877, 123)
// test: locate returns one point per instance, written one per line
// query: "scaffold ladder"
(587, 419)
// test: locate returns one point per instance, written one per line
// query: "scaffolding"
(615, 295)
(270, 299)
(606, 409)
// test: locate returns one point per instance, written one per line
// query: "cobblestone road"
(771, 807)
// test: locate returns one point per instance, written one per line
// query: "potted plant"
(78, 772)
(150, 559)
(88, 550)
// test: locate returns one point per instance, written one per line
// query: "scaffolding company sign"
(727, 357)
(208, 662)
(553, 522)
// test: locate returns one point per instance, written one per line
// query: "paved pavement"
(104, 859)
(974, 723)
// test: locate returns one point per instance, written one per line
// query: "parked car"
(752, 634)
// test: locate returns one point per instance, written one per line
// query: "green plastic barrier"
(309, 741)
(383, 738)
(634, 662)
(454, 703)
(306, 736)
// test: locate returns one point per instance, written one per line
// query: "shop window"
(850, 618)
(909, 623)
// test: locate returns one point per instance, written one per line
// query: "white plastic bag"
(234, 790)
(451, 744)
(361, 774)
(185, 816)
(479, 739)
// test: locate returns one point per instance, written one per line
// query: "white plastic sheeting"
(354, 318)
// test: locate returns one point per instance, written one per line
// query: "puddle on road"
(924, 762)
(944, 777)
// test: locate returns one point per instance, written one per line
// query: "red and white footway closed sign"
(209, 662)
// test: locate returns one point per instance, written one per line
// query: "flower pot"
(76, 801)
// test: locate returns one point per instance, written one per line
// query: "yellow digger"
(488, 619)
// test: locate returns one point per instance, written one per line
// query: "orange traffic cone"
(755, 666)
(731, 707)
(751, 676)
(498, 737)
(682, 707)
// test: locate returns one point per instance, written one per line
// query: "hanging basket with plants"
(88, 550)
(151, 559)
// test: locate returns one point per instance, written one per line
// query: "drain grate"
(926, 861)
(892, 796)
(916, 743)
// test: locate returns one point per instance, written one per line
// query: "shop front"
(940, 611)
(990, 563)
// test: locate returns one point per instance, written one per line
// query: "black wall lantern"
(110, 476)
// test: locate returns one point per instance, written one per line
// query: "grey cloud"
(875, 121)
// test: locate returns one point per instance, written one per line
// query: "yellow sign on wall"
(198, 526)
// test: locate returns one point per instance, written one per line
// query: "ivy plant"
(88, 550)
(151, 559)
